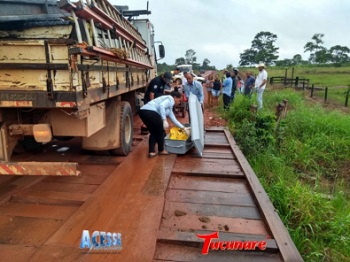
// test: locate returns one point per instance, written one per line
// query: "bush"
(303, 163)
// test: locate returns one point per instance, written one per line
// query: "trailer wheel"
(126, 131)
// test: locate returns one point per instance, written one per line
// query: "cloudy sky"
(222, 29)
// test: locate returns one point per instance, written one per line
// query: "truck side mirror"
(161, 51)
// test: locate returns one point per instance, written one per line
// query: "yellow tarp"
(178, 134)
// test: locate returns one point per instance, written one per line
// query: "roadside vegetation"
(303, 162)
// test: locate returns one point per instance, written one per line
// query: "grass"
(303, 164)
(320, 76)
(337, 79)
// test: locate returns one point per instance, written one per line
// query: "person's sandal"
(150, 155)
(164, 153)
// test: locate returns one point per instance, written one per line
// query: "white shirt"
(260, 78)
(163, 105)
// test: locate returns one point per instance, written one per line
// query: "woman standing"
(154, 114)
(216, 90)
(209, 84)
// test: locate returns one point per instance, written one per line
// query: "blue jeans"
(259, 97)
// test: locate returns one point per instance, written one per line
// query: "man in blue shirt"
(249, 85)
(234, 83)
(226, 91)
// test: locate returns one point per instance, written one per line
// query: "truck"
(187, 68)
(69, 69)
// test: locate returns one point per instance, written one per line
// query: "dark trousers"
(154, 123)
(227, 100)
(233, 96)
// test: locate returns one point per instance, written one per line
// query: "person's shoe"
(151, 155)
(164, 153)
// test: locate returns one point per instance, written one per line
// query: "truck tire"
(126, 131)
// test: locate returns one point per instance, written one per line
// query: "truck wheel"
(126, 131)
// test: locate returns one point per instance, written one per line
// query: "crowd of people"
(163, 94)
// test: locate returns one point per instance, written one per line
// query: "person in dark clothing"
(234, 84)
(215, 92)
(157, 86)
(249, 85)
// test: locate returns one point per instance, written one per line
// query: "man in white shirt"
(260, 84)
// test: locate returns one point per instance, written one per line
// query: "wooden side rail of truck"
(70, 70)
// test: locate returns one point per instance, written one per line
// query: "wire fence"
(338, 96)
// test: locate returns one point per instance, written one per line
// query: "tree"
(285, 62)
(190, 58)
(318, 53)
(229, 67)
(339, 54)
(206, 63)
(180, 61)
(297, 59)
(262, 49)
(248, 57)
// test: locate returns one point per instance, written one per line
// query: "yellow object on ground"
(178, 134)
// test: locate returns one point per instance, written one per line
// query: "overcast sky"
(222, 29)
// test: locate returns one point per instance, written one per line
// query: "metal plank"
(287, 247)
(50, 197)
(210, 197)
(39, 168)
(213, 210)
(231, 185)
(191, 222)
(191, 239)
(210, 167)
(172, 252)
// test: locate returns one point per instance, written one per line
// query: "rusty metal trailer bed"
(219, 194)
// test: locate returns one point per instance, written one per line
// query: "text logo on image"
(101, 241)
(228, 245)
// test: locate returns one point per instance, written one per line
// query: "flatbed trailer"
(69, 69)
(159, 207)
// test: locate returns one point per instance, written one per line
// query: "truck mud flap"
(39, 168)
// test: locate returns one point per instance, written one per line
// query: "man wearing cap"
(157, 86)
(260, 84)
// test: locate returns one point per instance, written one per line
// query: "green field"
(303, 163)
(337, 79)
(320, 76)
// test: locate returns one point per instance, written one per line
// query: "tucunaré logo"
(228, 245)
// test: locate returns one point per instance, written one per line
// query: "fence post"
(325, 94)
(279, 111)
(303, 85)
(292, 72)
(284, 113)
(347, 98)
(312, 90)
(253, 111)
(285, 78)
(296, 81)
